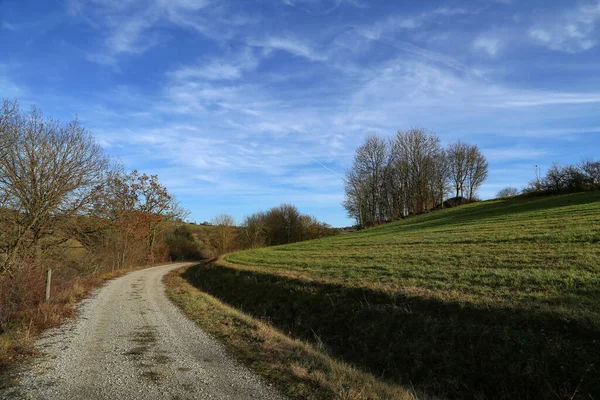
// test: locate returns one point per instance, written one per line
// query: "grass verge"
(298, 369)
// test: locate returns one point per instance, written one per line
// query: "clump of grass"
(297, 368)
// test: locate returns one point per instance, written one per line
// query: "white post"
(48, 282)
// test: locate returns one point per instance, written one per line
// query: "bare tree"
(158, 205)
(556, 177)
(468, 168)
(11, 121)
(225, 232)
(411, 174)
(281, 225)
(355, 200)
(507, 192)
(440, 177)
(48, 170)
(457, 154)
(369, 164)
(138, 207)
(254, 230)
(416, 152)
(591, 169)
(477, 170)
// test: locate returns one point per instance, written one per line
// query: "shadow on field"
(445, 349)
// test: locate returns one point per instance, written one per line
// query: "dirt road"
(130, 342)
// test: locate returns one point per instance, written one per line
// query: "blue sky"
(242, 105)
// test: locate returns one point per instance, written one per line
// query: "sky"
(240, 106)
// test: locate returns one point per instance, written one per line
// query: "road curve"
(130, 342)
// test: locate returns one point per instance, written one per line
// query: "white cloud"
(130, 25)
(393, 24)
(572, 31)
(490, 45)
(223, 68)
(322, 6)
(291, 45)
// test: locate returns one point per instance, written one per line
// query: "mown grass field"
(499, 299)
(527, 253)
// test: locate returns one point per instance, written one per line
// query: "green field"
(533, 252)
(498, 299)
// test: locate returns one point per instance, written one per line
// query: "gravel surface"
(130, 342)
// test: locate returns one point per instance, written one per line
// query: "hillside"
(498, 299)
(532, 252)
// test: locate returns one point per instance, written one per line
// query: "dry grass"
(298, 369)
(29, 314)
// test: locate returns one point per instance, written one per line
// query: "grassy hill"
(499, 299)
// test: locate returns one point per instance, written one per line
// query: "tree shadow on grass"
(445, 349)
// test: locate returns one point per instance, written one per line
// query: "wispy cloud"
(248, 106)
(397, 23)
(322, 6)
(8, 26)
(489, 44)
(130, 24)
(571, 31)
(226, 68)
(291, 45)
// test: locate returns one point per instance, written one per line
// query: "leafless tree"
(591, 169)
(507, 192)
(468, 168)
(224, 226)
(457, 154)
(416, 152)
(253, 233)
(440, 177)
(411, 173)
(355, 200)
(556, 177)
(48, 171)
(477, 170)
(369, 165)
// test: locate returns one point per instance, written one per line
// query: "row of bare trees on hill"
(58, 195)
(410, 174)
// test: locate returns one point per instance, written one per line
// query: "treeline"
(63, 206)
(282, 225)
(568, 179)
(573, 178)
(278, 225)
(411, 173)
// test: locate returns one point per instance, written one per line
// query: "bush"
(507, 192)
(183, 245)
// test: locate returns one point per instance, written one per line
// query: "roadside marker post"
(48, 282)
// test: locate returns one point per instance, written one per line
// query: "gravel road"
(130, 342)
